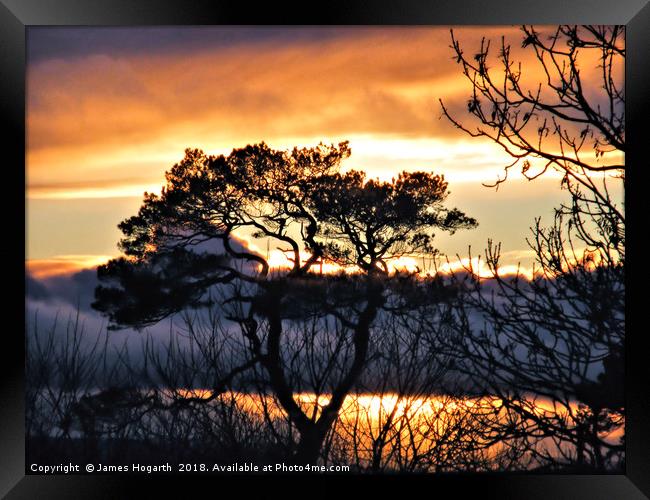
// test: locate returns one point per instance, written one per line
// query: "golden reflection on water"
(396, 430)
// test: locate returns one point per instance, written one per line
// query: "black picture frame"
(17, 15)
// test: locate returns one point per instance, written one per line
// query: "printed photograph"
(330, 249)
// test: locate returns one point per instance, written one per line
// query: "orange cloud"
(103, 117)
(63, 264)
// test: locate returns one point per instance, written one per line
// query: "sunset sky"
(110, 109)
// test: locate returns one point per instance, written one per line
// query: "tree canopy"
(298, 199)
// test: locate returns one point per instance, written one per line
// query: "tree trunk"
(312, 433)
(309, 447)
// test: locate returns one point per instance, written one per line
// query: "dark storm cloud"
(54, 42)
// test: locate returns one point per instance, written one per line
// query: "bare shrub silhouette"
(68, 387)
(560, 336)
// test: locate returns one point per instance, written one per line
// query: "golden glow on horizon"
(479, 268)
(63, 265)
(281, 261)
